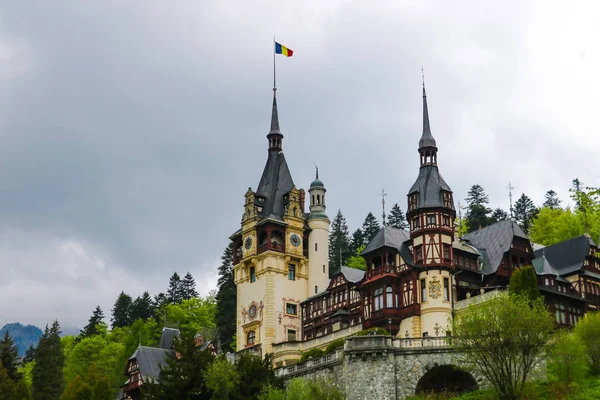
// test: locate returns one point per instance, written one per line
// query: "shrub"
(373, 331)
(567, 359)
(587, 330)
(334, 345)
(312, 353)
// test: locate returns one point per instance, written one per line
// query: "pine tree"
(142, 307)
(524, 281)
(577, 186)
(189, 287)
(525, 211)
(477, 211)
(29, 355)
(339, 242)
(7, 386)
(357, 241)
(47, 373)
(498, 215)
(552, 200)
(92, 327)
(225, 317)
(121, 312)
(160, 300)
(397, 219)
(370, 227)
(174, 293)
(9, 355)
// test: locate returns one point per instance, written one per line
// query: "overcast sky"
(130, 130)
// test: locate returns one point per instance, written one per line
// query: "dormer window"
(413, 201)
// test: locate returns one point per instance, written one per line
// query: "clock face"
(248, 242)
(252, 311)
(295, 240)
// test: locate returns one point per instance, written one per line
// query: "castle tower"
(270, 254)
(318, 251)
(431, 216)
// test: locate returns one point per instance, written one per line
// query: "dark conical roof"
(427, 139)
(274, 118)
(276, 181)
(429, 185)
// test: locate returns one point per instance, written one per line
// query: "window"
(291, 308)
(446, 289)
(389, 297)
(447, 252)
(425, 334)
(292, 272)
(252, 274)
(416, 223)
(413, 202)
(546, 282)
(378, 299)
(423, 291)
(419, 253)
(316, 289)
(291, 333)
(430, 219)
(316, 247)
(323, 268)
(561, 317)
(446, 220)
(250, 338)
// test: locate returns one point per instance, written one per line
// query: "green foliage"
(222, 378)
(524, 212)
(312, 353)
(310, 389)
(47, 373)
(25, 372)
(7, 386)
(357, 261)
(196, 315)
(254, 372)
(551, 200)
(567, 359)
(142, 307)
(95, 386)
(93, 327)
(339, 242)
(478, 214)
(121, 311)
(225, 314)
(271, 393)
(175, 291)
(498, 215)
(397, 219)
(372, 331)
(370, 227)
(188, 287)
(524, 281)
(9, 354)
(504, 338)
(587, 330)
(357, 241)
(334, 345)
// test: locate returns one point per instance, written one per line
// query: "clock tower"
(271, 250)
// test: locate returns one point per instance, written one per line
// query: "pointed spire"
(427, 139)
(317, 171)
(275, 137)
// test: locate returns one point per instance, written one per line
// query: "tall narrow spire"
(427, 139)
(275, 137)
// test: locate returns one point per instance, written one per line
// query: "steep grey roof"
(568, 256)
(149, 360)
(167, 338)
(387, 236)
(275, 118)
(427, 139)
(494, 241)
(429, 185)
(352, 274)
(275, 182)
(543, 267)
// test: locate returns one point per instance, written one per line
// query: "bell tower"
(431, 215)
(270, 254)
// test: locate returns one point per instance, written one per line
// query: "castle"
(288, 299)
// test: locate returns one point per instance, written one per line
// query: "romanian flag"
(279, 49)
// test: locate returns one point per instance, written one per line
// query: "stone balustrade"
(462, 304)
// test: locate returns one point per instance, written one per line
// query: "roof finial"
(423, 77)
(317, 170)
(427, 139)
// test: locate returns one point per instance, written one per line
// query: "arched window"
(546, 282)
(318, 199)
(313, 199)
(389, 298)
(252, 274)
(378, 299)
(251, 338)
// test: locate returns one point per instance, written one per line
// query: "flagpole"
(274, 51)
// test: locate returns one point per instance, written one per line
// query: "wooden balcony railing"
(271, 246)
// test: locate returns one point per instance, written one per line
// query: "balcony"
(271, 246)
(394, 313)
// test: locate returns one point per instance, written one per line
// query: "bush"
(587, 330)
(312, 389)
(567, 359)
(372, 331)
(334, 345)
(312, 353)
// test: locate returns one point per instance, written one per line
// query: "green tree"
(357, 261)
(225, 315)
(478, 214)
(567, 358)
(397, 219)
(551, 200)
(142, 307)
(271, 393)
(91, 328)
(175, 293)
(47, 373)
(339, 242)
(97, 350)
(121, 312)
(160, 300)
(498, 215)
(309, 389)
(29, 355)
(188, 286)
(7, 386)
(553, 226)
(9, 356)
(254, 373)
(504, 338)
(196, 315)
(182, 377)
(77, 389)
(587, 330)
(370, 227)
(357, 241)
(222, 378)
(525, 211)
(524, 281)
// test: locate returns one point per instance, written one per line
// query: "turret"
(318, 251)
